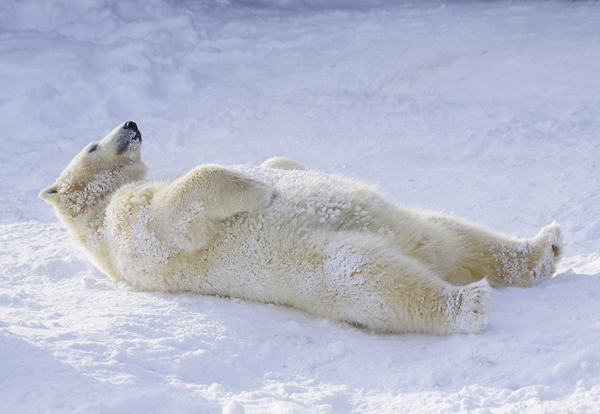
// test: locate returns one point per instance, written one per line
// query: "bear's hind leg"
(503, 260)
(526, 263)
(472, 315)
(387, 291)
(442, 310)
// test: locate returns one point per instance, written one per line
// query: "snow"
(486, 110)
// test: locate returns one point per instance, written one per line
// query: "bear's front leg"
(189, 209)
(283, 163)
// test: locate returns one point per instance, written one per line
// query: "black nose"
(130, 125)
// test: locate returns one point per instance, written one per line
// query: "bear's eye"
(93, 148)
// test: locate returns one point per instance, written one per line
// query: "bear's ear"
(50, 194)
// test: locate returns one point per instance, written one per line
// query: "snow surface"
(486, 110)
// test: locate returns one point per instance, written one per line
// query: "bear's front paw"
(475, 307)
(262, 195)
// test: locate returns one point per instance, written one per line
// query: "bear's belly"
(275, 258)
(286, 251)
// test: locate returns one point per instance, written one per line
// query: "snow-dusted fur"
(278, 233)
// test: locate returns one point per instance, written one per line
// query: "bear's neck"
(82, 206)
(80, 199)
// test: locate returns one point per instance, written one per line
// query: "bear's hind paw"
(475, 307)
(549, 243)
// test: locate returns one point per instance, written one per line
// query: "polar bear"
(281, 234)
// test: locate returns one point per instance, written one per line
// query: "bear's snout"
(133, 126)
(130, 125)
(130, 134)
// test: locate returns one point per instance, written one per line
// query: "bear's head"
(97, 171)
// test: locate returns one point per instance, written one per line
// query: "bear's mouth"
(129, 140)
(137, 136)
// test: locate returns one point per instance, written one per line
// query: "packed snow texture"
(486, 110)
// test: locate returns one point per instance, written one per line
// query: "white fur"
(278, 233)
